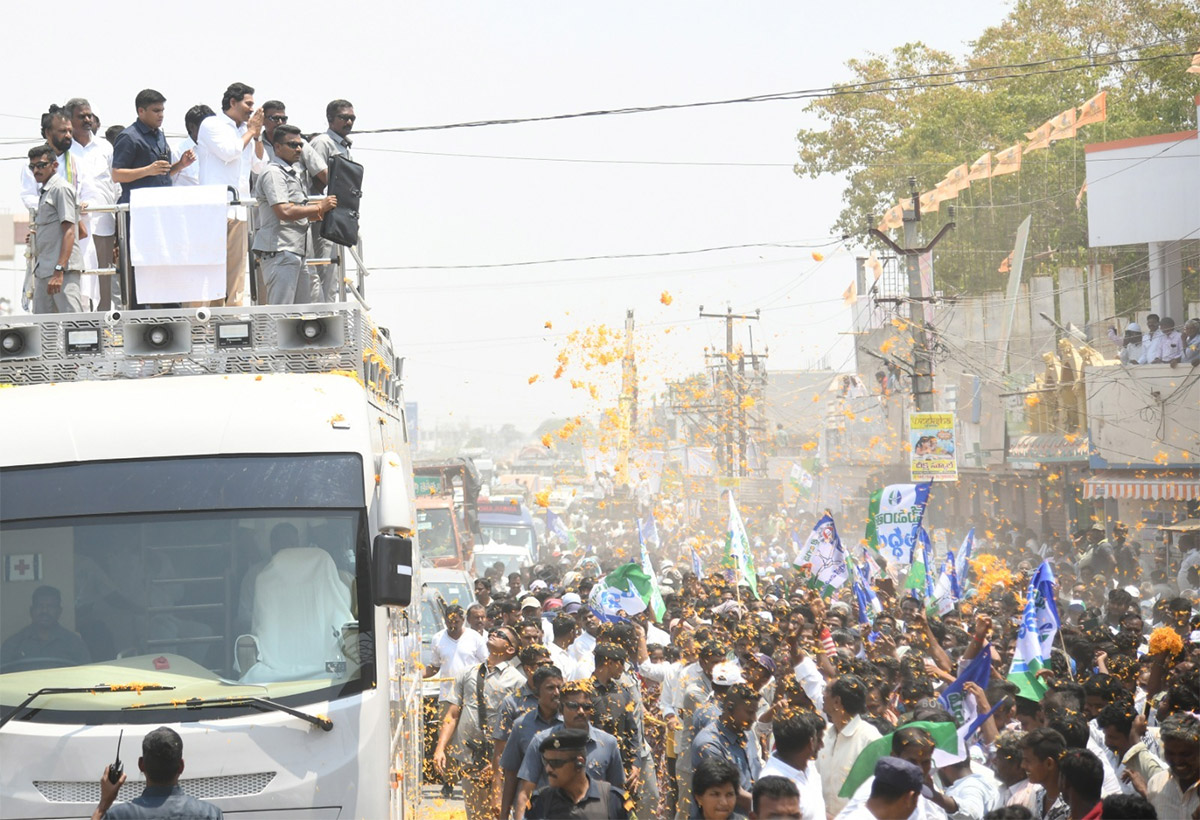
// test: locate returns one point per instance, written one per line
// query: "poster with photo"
(931, 441)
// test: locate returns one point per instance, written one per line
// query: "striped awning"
(1164, 488)
(1049, 448)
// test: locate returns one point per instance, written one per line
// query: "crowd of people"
(75, 175)
(1160, 343)
(791, 703)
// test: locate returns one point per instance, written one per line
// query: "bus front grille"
(204, 788)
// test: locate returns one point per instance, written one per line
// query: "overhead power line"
(527, 262)
(913, 82)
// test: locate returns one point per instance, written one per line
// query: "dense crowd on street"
(776, 699)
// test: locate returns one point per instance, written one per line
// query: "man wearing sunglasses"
(570, 791)
(336, 140)
(283, 217)
(601, 753)
(311, 165)
(57, 260)
(472, 716)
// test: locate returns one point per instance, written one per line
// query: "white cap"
(571, 598)
(1133, 327)
(726, 674)
(538, 584)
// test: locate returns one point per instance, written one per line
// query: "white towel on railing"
(177, 242)
(178, 226)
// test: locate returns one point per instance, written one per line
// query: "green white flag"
(945, 737)
(739, 561)
(916, 574)
(657, 605)
(631, 590)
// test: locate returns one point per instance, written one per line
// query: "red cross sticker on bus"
(23, 568)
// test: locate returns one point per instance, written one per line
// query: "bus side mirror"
(392, 570)
(395, 504)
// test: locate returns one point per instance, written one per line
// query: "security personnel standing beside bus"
(472, 717)
(571, 793)
(283, 218)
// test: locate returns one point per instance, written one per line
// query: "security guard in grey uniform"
(283, 219)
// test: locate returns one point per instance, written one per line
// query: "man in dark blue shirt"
(142, 159)
(141, 156)
(162, 763)
(726, 737)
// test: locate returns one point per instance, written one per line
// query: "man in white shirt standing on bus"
(189, 175)
(93, 169)
(229, 147)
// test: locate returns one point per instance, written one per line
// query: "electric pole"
(922, 374)
(733, 464)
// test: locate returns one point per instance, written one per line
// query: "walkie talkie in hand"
(117, 769)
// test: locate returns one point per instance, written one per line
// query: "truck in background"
(447, 492)
(507, 534)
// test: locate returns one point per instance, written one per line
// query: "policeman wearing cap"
(571, 793)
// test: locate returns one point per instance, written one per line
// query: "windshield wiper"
(262, 704)
(82, 690)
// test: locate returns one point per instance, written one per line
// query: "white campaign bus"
(206, 522)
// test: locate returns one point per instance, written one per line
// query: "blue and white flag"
(927, 546)
(697, 568)
(626, 589)
(976, 724)
(824, 552)
(860, 596)
(865, 571)
(955, 700)
(647, 530)
(869, 605)
(556, 527)
(1035, 635)
(945, 592)
(962, 567)
(893, 519)
(920, 571)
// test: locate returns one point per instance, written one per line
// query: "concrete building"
(1146, 190)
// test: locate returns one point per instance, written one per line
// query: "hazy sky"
(473, 337)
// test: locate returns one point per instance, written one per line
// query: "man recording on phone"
(142, 159)
(162, 763)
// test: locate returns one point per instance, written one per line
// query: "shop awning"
(1049, 448)
(1164, 488)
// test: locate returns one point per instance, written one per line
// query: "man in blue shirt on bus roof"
(162, 763)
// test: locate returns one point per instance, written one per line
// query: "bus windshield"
(436, 533)
(513, 535)
(216, 603)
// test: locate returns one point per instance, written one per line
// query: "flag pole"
(1063, 642)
